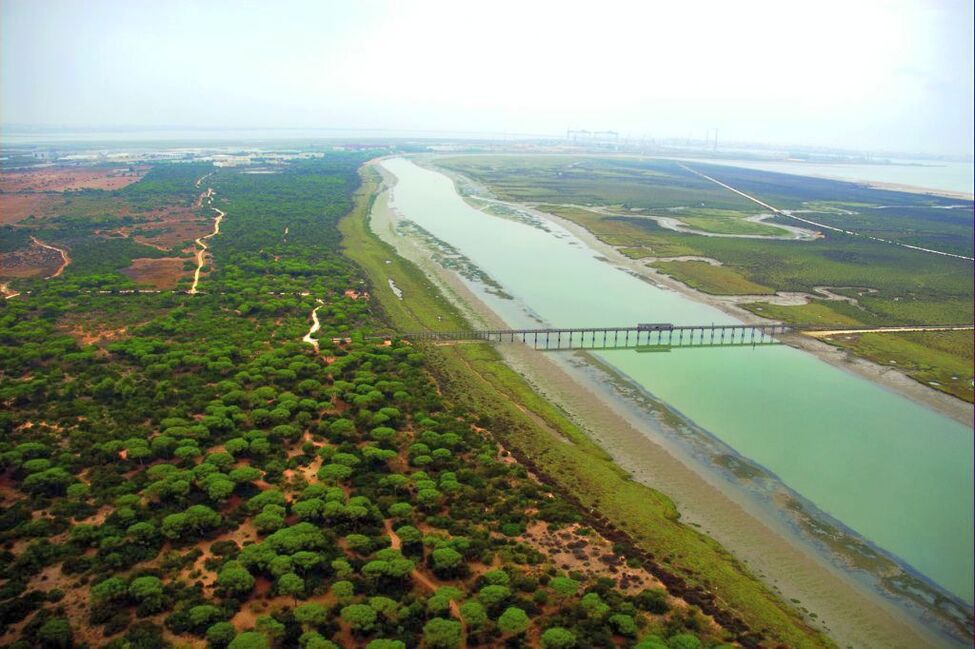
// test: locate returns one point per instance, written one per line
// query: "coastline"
(851, 611)
(874, 184)
(913, 189)
(886, 376)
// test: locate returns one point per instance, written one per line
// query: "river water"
(897, 473)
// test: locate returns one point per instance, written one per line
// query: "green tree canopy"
(234, 579)
(440, 633)
(558, 638)
(514, 621)
(359, 617)
(291, 584)
(249, 640)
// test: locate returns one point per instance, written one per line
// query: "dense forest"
(190, 473)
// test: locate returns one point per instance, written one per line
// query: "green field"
(705, 277)
(723, 222)
(640, 184)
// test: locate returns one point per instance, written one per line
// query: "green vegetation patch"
(708, 278)
(724, 222)
(940, 359)
(817, 312)
(624, 182)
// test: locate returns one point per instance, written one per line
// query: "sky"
(893, 75)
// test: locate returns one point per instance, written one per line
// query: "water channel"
(896, 473)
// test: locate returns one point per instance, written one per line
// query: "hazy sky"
(893, 75)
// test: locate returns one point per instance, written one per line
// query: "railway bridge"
(651, 336)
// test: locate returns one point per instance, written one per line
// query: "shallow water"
(924, 174)
(898, 474)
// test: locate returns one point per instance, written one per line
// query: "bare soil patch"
(162, 273)
(589, 554)
(164, 229)
(14, 208)
(32, 261)
(60, 179)
(89, 331)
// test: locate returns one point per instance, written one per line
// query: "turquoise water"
(897, 473)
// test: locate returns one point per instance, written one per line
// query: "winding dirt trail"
(315, 326)
(201, 253)
(65, 258)
(425, 581)
(202, 178)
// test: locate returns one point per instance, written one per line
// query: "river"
(898, 474)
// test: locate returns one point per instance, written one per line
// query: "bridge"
(658, 336)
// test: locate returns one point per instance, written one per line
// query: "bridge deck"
(651, 336)
(471, 334)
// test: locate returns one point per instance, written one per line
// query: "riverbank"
(887, 376)
(853, 613)
(563, 455)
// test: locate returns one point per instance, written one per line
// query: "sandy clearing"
(61, 179)
(8, 292)
(29, 262)
(161, 273)
(17, 207)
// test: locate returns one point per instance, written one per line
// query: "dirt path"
(424, 581)
(7, 292)
(65, 258)
(315, 326)
(205, 196)
(792, 215)
(201, 253)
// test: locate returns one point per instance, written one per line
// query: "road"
(824, 333)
